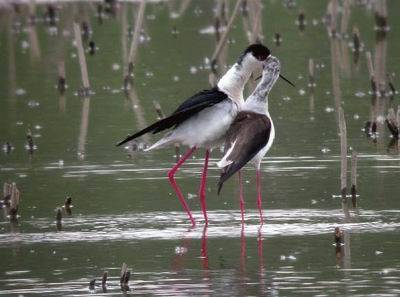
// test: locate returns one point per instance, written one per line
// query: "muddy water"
(124, 209)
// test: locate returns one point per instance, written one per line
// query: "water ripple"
(174, 225)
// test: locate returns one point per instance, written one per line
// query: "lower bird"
(251, 134)
(203, 119)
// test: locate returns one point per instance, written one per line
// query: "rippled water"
(124, 209)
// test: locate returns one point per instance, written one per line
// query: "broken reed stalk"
(345, 17)
(158, 109)
(256, 30)
(104, 279)
(343, 153)
(224, 36)
(14, 202)
(33, 36)
(356, 39)
(135, 39)
(85, 93)
(354, 178)
(68, 205)
(124, 269)
(311, 79)
(356, 45)
(7, 189)
(393, 123)
(333, 14)
(29, 139)
(391, 85)
(371, 71)
(338, 236)
(92, 284)
(61, 77)
(125, 276)
(82, 60)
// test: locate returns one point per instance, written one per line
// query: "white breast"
(260, 155)
(208, 127)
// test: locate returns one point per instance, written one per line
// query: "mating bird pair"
(219, 116)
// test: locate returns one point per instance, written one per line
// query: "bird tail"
(162, 142)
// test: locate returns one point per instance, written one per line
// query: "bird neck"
(232, 83)
(258, 100)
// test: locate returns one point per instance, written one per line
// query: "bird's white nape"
(232, 83)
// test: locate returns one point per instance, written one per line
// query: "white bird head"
(252, 59)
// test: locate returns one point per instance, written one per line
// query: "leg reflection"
(181, 251)
(204, 250)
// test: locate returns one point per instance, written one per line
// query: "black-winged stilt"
(203, 119)
(251, 134)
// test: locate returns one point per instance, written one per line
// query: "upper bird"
(252, 133)
(203, 119)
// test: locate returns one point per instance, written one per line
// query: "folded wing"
(187, 109)
(248, 134)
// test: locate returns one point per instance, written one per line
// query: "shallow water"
(124, 209)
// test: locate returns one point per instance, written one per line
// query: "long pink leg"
(241, 201)
(259, 201)
(178, 192)
(202, 191)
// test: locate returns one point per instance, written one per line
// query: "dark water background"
(124, 209)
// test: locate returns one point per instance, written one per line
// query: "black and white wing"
(187, 109)
(247, 135)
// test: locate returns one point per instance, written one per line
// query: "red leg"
(178, 192)
(259, 202)
(202, 191)
(204, 251)
(241, 201)
(242, 250)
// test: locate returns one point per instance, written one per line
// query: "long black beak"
(286, 80)
(281, 76)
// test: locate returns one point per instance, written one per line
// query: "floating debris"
(301, 20)
(7, 147)
(104, 279)
(289, 257)
(68, 205)
(20, 92)
(191, 196)
(33, 103)
(325, 150)
(92, 48)
(180, 250)
(193, 70)
(277, 39)
(329, 109)
(359, 94)
(115, 67)
(92, 284)
(30, 146)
